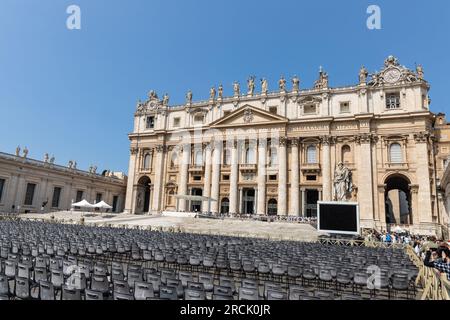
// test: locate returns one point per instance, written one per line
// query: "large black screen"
(338, 218)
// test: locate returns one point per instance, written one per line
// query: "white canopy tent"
(83, 204)
(102, 205)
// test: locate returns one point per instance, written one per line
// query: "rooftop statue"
(18, 151)
(295, 83)
(251, 85)
(212, 93)
(363, 75)
(25, 152)
(189, 97)
(282, 83)
(166, 100)
(264, 86)
(220, 91)
(236, 89)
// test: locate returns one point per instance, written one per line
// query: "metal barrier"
(435, 286)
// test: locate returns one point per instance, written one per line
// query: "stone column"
(159, 179)
(423, 177)
(130, 194)
(184, 174)
(381, 206)
(262, 156)
(234, 177)
(365, 178)
(326, 168)
(303, 202)
(295, 179)
(282, 177)
(207, 182)
(215, 184)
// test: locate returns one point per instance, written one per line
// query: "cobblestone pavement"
(275, 230)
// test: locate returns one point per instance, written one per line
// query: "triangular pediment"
(248, 115)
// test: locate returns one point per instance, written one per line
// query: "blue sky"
(72, 93)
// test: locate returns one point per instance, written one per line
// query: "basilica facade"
(279, 152)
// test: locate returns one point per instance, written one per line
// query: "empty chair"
(324, 294)
(121, 287)
(249, 283)
(46, 291)
(23, 271)
(123, 296)
(117, 274)
(276, 295)
(248, 293)
(167, 274)
(166, 292)
(22, 288)
(192, 294)
(4, 285)
(155, 281)
(143, 290)
(224, 291)
(227, 282)
(57, 279)
(185, 277)
(133, 276)
(93, 295)
(195, 286)
(293, 273)
(10, 269)
(100, 283)
(207, 280)
(70, 293)
(325, 277)
(176, 283)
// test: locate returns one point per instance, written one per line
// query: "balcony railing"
(248, 167)
(397, 165)
(310, 167)
(196, 168)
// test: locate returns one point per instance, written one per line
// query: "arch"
(397, 196)
(311, 154)
(225, 206)
(143, 195)
(395, 153)
(147, 161)
(346, 154)
(272, 206)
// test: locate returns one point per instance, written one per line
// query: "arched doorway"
(398, 200)
(225, 206)
(272, 207)
(248, 202)
(143, 195)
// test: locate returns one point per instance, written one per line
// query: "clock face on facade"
(392, 75)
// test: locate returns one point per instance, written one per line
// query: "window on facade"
(198, 161)
(393, 101)
(346, 154)
(176, 122)
(2, 185)
(226, 177)
(150, 122)
(309, 109)
(98, 197)
(198, 119)
(311, 178)
(345, 107)
(250, 157)
(395, 153)
(227, 157)
(29, 194)
(197, 178)
(272, 177)
(174, 159)
(79, 196)
(311, 155)
(273, 110)
(56, 196)
(273, 157)
(147, 159)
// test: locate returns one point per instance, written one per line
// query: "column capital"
(366, 138)
(327, 140)
(295, 142)
(262, 142)
(421, 137)
(282, 141)
(134, 150)
(161, 148)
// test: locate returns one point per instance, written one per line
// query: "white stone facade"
(30, 186)
(275, 152)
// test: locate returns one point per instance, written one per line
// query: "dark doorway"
(196, 206)
(225, 206)
(248, 201)
(114, 204)
(312, 196)
(398, 200)
(272, 207)
(143, 195)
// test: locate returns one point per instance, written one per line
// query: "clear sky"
(72, 93)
